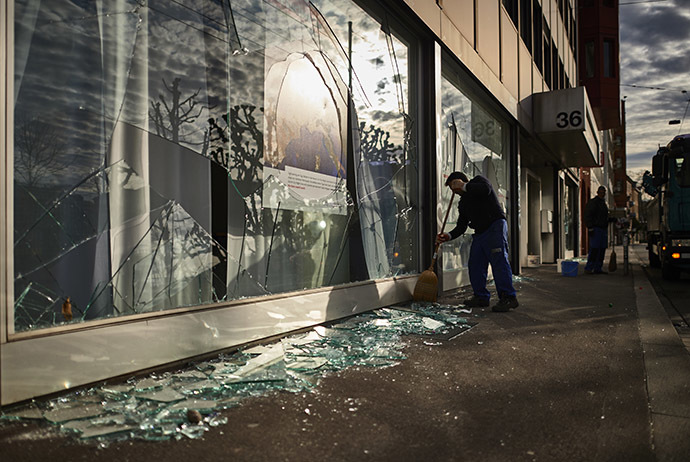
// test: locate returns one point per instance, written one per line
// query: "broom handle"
(443, 226)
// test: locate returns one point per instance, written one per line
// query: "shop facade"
(186, 177)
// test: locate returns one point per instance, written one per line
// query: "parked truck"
(668, 213)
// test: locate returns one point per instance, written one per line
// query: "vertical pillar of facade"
(6, 173)
(516, 193)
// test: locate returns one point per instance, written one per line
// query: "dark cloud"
(650, 26)
(671, 64)
(654, 38)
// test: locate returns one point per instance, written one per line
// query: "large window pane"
(192, 152)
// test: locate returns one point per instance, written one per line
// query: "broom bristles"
(426, 289)
(612, 262)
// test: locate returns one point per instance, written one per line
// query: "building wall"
(599, 58)
(488, 41)
(599, 72)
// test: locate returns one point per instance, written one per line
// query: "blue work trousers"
(597, 249)
(491, 246)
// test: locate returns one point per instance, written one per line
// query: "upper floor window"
(511, 7)
(547, 56)
(609, 58)
(526, 22)
(556, 76)
(538, 30)
(573, 35)
(589, 59)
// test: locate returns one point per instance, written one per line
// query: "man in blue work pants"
(597, 219)
(479, 209)
(491, 247)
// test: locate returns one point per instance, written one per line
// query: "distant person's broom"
(612, 260)
(426, 289)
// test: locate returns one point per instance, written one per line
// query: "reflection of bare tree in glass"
(169, 119)
(243, 158)
(376, 146)
(37, 153)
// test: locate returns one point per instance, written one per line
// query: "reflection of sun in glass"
(305, 83)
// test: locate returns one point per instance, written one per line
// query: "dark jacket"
(596, 213)
(478, 207)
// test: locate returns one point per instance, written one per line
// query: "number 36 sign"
(569, 119)
(560, 110)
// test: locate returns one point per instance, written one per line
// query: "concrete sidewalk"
(587, 368)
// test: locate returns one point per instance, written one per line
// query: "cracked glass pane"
(193, 152)
(186, 403)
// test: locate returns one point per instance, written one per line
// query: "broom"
(426, 289)
(612, 260)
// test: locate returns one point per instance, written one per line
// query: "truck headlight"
(680, 242)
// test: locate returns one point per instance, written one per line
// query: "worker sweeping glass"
(479, 209)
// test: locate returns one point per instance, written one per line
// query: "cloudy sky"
(655, 72)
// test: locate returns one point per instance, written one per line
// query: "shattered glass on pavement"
(186, 403)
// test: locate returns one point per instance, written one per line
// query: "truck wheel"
(669, 272)
(654, 260)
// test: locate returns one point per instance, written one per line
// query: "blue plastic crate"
(569, 268)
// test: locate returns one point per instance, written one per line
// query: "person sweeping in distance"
(479, 209)
(597, 219)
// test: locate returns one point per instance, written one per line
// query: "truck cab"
(668, 214)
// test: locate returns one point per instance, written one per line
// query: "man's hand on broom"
(442, 237)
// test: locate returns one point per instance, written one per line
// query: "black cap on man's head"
(455, 176)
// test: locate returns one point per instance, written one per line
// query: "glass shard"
(199, 405)
(29, 412)
(165, 396)
(73, 413)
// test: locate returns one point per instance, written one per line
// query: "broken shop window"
(187, 153)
